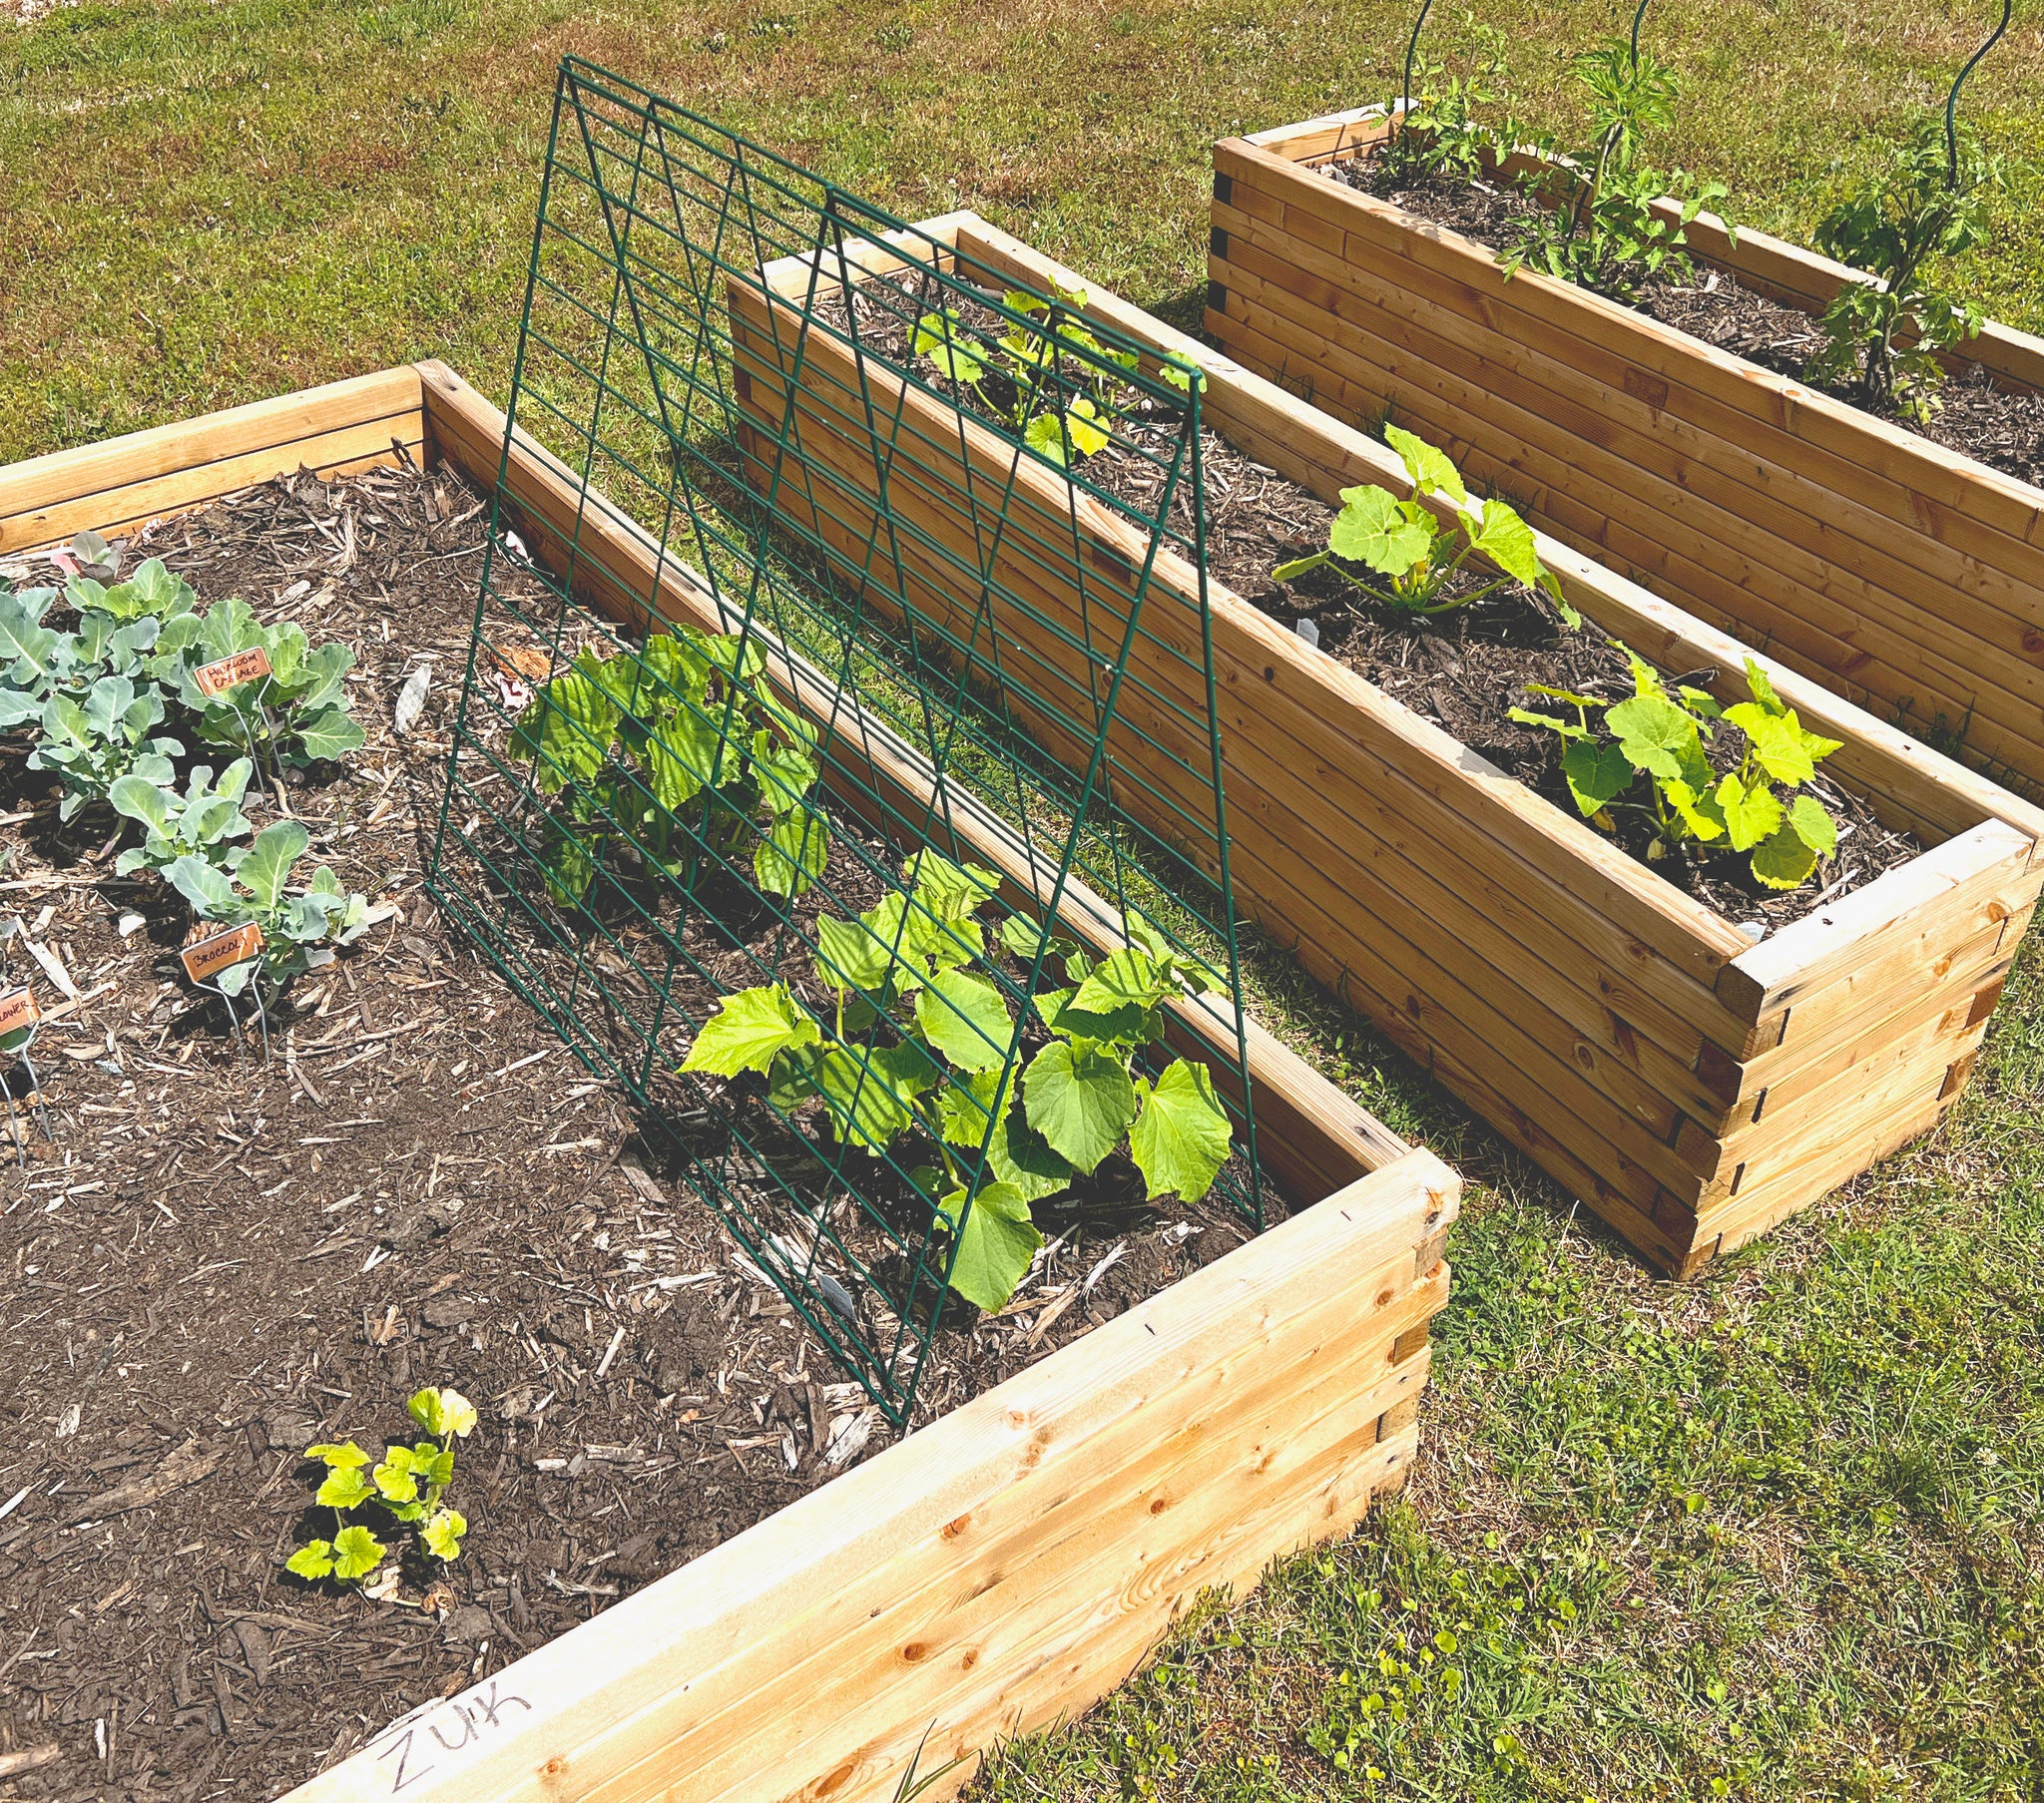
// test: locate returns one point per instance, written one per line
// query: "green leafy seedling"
(257, 887)
(204, 822)
(670, 754)
(1411, 554)
(405, 1486)
(1759, 808)
(922, 1055)
(1921, 209)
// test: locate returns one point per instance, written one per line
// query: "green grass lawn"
(1774, 1534)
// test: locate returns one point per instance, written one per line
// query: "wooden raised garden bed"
(1690, 1085)
(1884, 565)
(1012, 1561)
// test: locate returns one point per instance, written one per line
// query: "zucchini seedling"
(1662, 737)
(408, 1486)
(1411, 554)
(917, 1051)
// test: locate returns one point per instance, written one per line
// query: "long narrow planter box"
(1012, 1562)
(1901, 573)
(1691, 1088)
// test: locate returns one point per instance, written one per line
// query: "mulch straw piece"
(213, 1264)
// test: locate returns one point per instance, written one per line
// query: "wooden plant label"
(18, 1011)
(223, 673)
(207, 958)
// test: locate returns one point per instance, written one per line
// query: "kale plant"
(1663, 736)
(204, 822)
(918, 1049)
(1410, 554)
(297, 714)
(257, 887)
(1926, 205)
(407, 1486)
(669, 749)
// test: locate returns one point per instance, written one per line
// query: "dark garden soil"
(1974, 418)
(213, 1264)
(1463, 670)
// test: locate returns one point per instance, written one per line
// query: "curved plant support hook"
(1637, 17)
(1951, 99)
(1412, 49)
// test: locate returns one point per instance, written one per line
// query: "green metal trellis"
(738, 365)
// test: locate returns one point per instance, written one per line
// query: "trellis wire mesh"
(860, 461)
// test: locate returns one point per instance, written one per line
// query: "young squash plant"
(1925, 205)
(407, 1486)
(918, 1055)
(1016, 376)
(257, 886)
(667, 749)
(1411, 554)
(1752, 809)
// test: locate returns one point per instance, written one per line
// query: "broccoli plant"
(1410, 554)
(259, 888)
(119, 629)
(917, 1053)
(94, 742)
(297, 714)
(204, 822)
(663, 751)
(1663, 736)
(1926, 205)
(407, 1486)
(1603, 228)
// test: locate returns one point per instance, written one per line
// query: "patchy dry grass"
(1773, 1535)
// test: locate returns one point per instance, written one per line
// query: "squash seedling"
(919, 1047)
(1020, 379)
(407, 1486)
(1412, 554)
(1662, 737)
(634, 742)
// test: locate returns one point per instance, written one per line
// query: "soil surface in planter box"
(1464, 670)
(214, 1265)
(1974, 417)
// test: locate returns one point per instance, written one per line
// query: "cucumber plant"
(918, 1055)
(407, 1486)
(1020, 379)
(666, 752)
(1410, 556)
(1754, 808)
(204, 822)
(257, 887)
